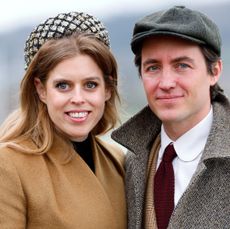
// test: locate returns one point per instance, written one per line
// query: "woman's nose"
(77, 96)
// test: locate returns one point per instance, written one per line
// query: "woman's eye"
(91, 85)
(62, 85)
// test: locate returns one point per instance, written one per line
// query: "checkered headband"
(62, 25)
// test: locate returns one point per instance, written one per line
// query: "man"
(177, 52)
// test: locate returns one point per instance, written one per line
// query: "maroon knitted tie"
(164, 188)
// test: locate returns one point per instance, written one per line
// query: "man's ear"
(40, 88)
(217, 70)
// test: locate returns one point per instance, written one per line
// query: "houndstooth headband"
(62, 25)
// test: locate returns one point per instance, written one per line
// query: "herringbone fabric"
(150, 218)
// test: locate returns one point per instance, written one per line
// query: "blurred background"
(18, 18)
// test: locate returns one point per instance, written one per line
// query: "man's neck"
(177, 129)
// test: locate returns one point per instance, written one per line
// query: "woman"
(55, 172)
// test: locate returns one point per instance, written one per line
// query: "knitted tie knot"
(169, 154)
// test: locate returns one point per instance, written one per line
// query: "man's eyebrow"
(183, 58)
(150, 61)
(175, 60)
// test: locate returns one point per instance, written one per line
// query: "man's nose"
(167, 80)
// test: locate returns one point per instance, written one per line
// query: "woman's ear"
(107, 94)
(108, 90)
(40, 88)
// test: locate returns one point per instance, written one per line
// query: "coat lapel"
(107, 169)
(103, 189)
(150, 216)
(137, 135)
(217, 147)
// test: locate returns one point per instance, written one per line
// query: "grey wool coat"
(206, 202)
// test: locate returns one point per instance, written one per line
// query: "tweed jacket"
(206, 201)
(57, 190)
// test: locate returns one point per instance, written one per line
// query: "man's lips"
(168, 97)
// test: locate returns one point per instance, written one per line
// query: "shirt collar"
(191, 144)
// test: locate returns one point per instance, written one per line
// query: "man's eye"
(152, 68)
(91, 85)
(62, 85)
(183, 65)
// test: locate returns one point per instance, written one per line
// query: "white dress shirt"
(189, 148)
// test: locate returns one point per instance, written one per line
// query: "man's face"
(176, 82)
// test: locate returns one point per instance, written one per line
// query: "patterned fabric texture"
(62, 25)
(206, 202)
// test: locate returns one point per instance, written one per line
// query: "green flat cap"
(178, 21)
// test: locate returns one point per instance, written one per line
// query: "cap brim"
(137, 40)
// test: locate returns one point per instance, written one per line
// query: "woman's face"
(75, 96)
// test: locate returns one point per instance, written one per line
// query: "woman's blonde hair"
(31, 120)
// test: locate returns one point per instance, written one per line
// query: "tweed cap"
(178, 21)
(60, 26)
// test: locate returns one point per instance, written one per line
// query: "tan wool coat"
(58, 190)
